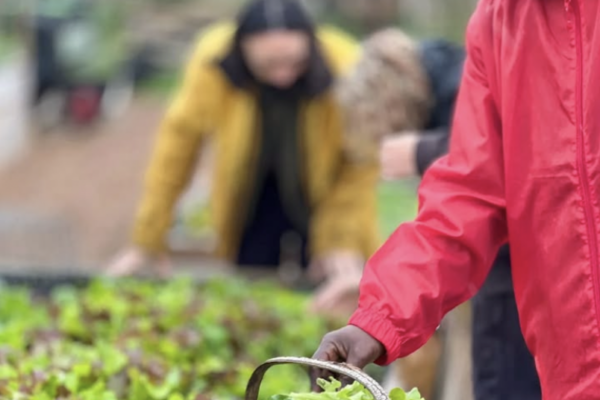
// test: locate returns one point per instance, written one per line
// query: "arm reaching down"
(189, 120)
(344, 234)
(433, 264)
(346, 218)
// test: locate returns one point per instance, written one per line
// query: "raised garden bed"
(73, 338)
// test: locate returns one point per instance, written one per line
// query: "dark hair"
(265, 15)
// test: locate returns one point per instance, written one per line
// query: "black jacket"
(443, 62)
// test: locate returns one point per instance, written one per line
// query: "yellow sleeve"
(347, 218)
(191, 116)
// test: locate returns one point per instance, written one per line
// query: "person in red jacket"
(523, 165)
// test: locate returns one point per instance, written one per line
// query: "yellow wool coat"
(208, 107)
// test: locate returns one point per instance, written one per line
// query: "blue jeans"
(503, 367)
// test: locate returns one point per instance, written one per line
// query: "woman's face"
(278, 57)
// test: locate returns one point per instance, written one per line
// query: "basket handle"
(340, 368)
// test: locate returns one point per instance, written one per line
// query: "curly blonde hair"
(387, 92)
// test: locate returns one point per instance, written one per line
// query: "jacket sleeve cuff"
(431, 146)
(382, 329)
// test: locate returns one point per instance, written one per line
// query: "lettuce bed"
(138, 340)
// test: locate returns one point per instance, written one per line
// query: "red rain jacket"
(523, 166)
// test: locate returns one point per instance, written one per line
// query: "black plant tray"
(41, 281)
(44, 284)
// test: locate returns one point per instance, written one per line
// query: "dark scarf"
(280, 153)
(279, 110)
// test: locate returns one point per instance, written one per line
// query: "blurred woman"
(261, 91)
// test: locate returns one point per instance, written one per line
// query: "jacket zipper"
(581, 161)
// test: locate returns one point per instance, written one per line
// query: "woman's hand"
(351, 345)
(133, 260)
(398, 156)
(337, 296)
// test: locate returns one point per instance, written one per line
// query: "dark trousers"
(503, 367)
(261, 243)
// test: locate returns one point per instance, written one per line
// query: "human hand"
(134, 259)
(351, 345)
(334, 263)
(397, 156)
(337, 296)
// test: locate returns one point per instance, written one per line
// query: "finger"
(119, 268)
(339, 268)
(315, 375)
(327, 296)
(325, 352)
(339, 291)
(126, 263)
(321, 303)
(330, 300)
(358, 358)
